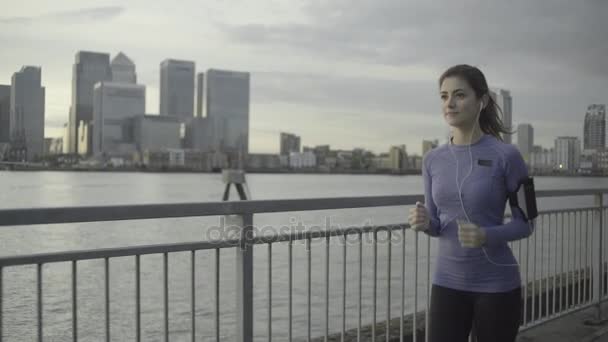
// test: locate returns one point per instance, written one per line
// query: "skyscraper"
(504, 100)
(113, 104)
(228, 109)
(177, 89)
(5, 113)
(89, 69)
(525, 141)
(289, 143)
(27, 112)
(594, 130)
(200, 93)
(567, 153)
(123, 69)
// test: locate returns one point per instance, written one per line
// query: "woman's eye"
(460, 96)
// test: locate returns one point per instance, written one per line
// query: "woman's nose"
(450, 103)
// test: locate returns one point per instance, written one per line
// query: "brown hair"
(489, 120)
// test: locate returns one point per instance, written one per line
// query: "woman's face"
(459, 103)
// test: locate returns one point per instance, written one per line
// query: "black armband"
(524, 199)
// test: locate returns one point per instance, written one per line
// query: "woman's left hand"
(470, 235)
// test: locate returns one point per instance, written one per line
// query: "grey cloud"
(358, 94)
(396, 32)
(95, 13)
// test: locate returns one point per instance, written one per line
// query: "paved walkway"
(571, 328)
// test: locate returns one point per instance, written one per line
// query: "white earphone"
(459, 186)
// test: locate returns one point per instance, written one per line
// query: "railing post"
(243, 224)
(599, 201)
(598, 285)
(244, 280)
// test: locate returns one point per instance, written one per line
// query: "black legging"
(494, 316)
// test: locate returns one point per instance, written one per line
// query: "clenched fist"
(419, 218)
(470, 235)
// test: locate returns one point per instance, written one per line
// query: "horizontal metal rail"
(544, 273)
(19, 217)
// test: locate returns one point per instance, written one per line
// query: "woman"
(477, 282)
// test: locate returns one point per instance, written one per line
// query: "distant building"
(228, 108)
(588, 162)
(84, 136)
(53, 146)
(177, 89)
(567, 153)
(542, 159)
(27, 112)
(398, 158)
(163, 158)
(428, 145)
(504, 101)
(167, 159)
(289, 143)
(301, 160)
(344, 159)
(594, 130)
(113, 104)
(66, 138)
(321, 152)
(155, 132)
(383, 162)
(89, 69)
(123, 69)
(525, 141)
(199, 134)
(263, 161)
(200, 94)
(602, 161)
(5, 113)
(415, 162)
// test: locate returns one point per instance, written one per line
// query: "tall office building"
(177, 89)
(594, 131)
(113, 104)
(123, 69)
(27, 112)
(504, 100)
(525, 140)
(567, 153)
(200, 94)
(5, 113)
(289, 143)
(89, 69)
(228, 109)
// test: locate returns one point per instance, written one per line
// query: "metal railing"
(562, 264)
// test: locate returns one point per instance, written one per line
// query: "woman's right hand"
(419, 218)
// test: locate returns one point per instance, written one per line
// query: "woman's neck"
(466, 136)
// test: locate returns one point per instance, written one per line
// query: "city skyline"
(307, 78)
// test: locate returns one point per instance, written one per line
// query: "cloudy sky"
(348, 73)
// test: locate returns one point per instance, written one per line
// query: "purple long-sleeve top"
(497, 169)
